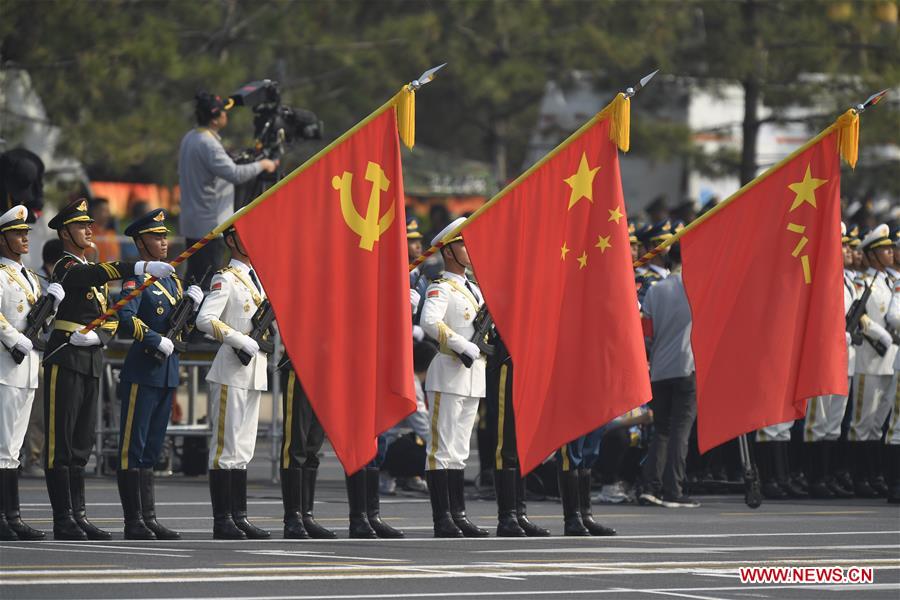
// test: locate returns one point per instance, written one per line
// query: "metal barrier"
(198, 355)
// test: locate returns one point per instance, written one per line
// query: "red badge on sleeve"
(434, 293)
(216, 286)
(129, 285)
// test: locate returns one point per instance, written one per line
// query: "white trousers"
(15, 410)
(893, 432)
(780, 432)
(823, 418)
(871, 405)
(234, 415)
(452, 420)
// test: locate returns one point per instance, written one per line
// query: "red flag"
(554, 262)
(764, 280)
(330, 248)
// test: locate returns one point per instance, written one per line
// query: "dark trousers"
(209, 259)
(612, 457)
(302, 434)
(674, 407)
(146, 410)
(581, 453)
(70, 410)
(500, 418)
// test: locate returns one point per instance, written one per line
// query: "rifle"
(482, 324)
(854, 322)
(180, 320)
(262, 320)
(34, 325)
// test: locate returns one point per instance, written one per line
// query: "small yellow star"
(806, 190)
(582, 182)
(564, 250)
(602, 243)
(615, 215)
(582, 260)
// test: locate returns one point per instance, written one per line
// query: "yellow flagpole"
(847, 126)
(618, 110)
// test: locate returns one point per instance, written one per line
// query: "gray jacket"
(207, 176)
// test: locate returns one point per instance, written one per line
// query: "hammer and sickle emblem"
(369, 227)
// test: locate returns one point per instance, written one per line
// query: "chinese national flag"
(554, 262)
(330, 249)
(764, 280)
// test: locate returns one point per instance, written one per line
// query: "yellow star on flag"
(806, 190)
(582, 260)
(602, 243)
(563, 251)
(582, 182)
(615, 214)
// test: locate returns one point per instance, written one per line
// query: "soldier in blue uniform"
(148, 380)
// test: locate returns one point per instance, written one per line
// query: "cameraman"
(207, 176)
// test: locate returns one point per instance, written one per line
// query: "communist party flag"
(763, 276)
(329, 246)
(554, 262)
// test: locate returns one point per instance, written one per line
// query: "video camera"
(275, 125)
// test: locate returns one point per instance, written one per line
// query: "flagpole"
(404, 96)
(619, 108)
(846, 124)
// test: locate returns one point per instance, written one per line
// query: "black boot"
(239, 507)
(64, 526)
(765, 460)
(861, 469)
(782, 454)
(828, 462)
(13, 512)
(308, 500)
(505, 490)
(148, 508)
(373, 507)
(220, 495)
(290, 498)
(444, 527)
(456, 489)
(530, 529)
(876, 462)
(6, 532)
(356, 498)
(129, 482)
(893, 471)
(584, 502)
(568, 493)
(79, 513)
(815, 471)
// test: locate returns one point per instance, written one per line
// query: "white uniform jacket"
(867, 360)
(17, 296)
(447, 315)
(227, 310)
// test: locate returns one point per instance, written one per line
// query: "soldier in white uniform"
(235, 390)
(20, 290)
(825, 413)
(454, 390)
(893, 434)
(873, 393)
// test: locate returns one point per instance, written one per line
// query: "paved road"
(674, 553)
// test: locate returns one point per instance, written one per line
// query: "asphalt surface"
(659, 552)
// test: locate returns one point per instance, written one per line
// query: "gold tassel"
(620, 127)
(406, 116)
(848, 137)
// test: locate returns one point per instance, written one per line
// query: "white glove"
(849, 337)
(414, 298)
(84, 340)
(58, 293)
(23, 344)
(249, 345)
(471, 350)
(882, 336)
(165, 346)
(418, 333)
(155, 268)
(196, 294)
